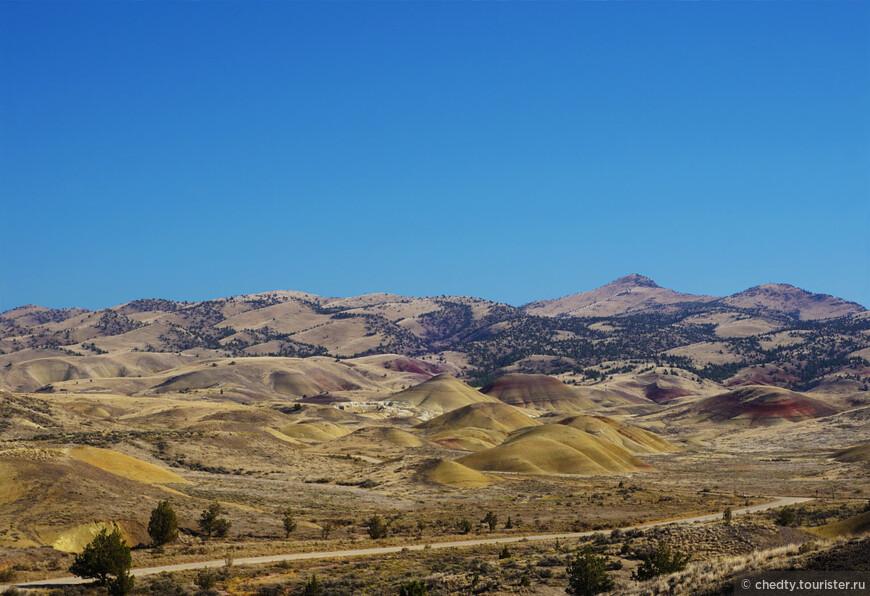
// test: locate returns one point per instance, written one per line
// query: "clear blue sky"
(512, 151)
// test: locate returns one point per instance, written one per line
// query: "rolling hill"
(537, 391)
(771, 334)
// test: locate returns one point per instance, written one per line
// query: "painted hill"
(636, 440)
(756, 405)
(441, 393)
(453, 474)
(157, 345)
(537, 391)
(555, 449)
(476, 427)
(491, 416)
(314, 431)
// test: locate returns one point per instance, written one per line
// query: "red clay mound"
(660, 393)
(760, 405)
(537, 391)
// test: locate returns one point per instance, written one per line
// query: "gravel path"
(778, 502)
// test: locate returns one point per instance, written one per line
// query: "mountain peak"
(634, 279)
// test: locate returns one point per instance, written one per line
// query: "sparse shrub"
(211, 522)
(106, 557)
(726, 517)
(807, 547)
(463, 526)
(312, 586)
(12, 591)
(785, 517)
(289, 522)
(587, 574)
(7, 574)
(413, 588)
(326, 529)
(525, 580)
(121, 585)
(509, 524)
(660, 561)
(166, 586)
(163, 525)
(505, 553)
(205, 579)
(377, 527)
(490, 520)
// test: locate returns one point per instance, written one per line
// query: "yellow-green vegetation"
(124, 465)
(315, 431)
(555, 449)
(454, 474)
(858, 453)
(857, 524)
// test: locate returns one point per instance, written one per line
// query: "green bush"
(106, 557)
(163, 525)
(413, 588)
(211, 522)
(785, 517)
(377, 527)
(660, 561)
(587, 574)
(205, 579)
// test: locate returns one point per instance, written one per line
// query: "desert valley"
(523, 434)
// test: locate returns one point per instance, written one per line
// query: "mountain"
(631, 293)
(772, 334)
(794, 301)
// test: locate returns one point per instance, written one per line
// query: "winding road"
(361, 552)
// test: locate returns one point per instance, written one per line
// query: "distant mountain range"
(774, 333)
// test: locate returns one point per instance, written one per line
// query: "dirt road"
(777, 502)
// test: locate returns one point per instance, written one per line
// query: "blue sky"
(512, 151)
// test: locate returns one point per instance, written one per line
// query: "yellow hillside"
(491, 416)
(315, 431)
(455, 475)
(555, 449)
(636, 440)
(124, 465)
(469, 439)
(538, 391)
(441, 393)
(857, 524)
(856, 454)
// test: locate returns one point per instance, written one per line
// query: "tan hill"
(314, 431)
(636, 440)
(453, 474)
(85, 484)
(441, 393)
(555, 449)
(795, 301)
(126, 348)
(124, 465)
(632, 293)
(857, 524)
(537, 391)
(490, 416)
(476, 426)
(856, 454)
(754, 406)
(656, 386)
